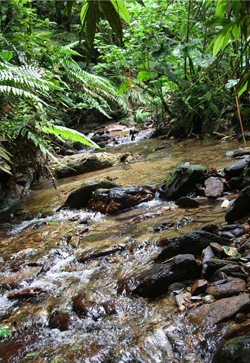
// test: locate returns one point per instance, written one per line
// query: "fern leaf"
(69, 134)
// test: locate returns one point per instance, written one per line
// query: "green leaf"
(6, 55)
(242, 85)
(69, 134)
(222, 39)
(123, 88)
(221, 8)
(112, 17)
(84, 11)
(143, 76)
(51, 223)
(121, 9)
(4, 332)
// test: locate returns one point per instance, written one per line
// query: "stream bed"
(39, 253)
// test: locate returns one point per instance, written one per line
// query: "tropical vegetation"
(183, 66)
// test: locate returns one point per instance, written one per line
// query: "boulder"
(235, 169)
(84, 163)
(218, 311)
(236, 349)
(239, 207)
(186, 202)
(193, 242)
(156, 280)
(213, 187)
(80, 196)
(100, 251)
(117, 199)
(233, 286)
(181, 181)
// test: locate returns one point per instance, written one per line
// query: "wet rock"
(234, 350)
(213, 187)
(118, 199)
(182, 222)
(98, 252)
(193, 242)
(207, 255)
(186, 202)
(218, 311)
(238, 330)
(88, 308)
(80, 196)
(216, 266)
(230, 231)
(84, 163)
(233, 286)
(156, 280)
(163, 226)
(209, 227)
(199, 286)
(18, 345)
(239, 207)
(62, 321)
(181, 181)
(31, 292)
(15, 278)
(235, 169)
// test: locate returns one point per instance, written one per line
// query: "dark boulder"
(118, 199)
(181, 181)
(193, 242)
(156, 280)
(186, 202)
(80, 196)
(239, 207)
(236, 349)
(235, 169)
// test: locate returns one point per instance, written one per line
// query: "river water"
(48, 242)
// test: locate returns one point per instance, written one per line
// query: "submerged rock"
(156, 280)
(193, 242)
(181, 181)
(15, 278)
(27, 293)
(62, 320)
(88, 308)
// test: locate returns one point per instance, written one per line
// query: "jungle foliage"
(172, 63)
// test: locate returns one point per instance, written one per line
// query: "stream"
(39, 251)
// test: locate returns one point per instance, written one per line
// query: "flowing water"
(45, 244)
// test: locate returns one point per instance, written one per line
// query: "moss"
(188, 170)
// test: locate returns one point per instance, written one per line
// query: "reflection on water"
(136, 329)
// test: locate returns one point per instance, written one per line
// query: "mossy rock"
(181, 181)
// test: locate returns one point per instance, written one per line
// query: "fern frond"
(5, 158)
(69, 134)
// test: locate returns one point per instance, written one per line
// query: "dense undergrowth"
(181, 67)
